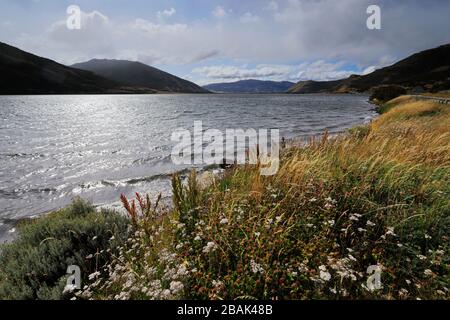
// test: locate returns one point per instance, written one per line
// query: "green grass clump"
(34, 265)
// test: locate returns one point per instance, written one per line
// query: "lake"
(53, 148)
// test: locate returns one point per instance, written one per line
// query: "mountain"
(25, 73)
(137, 74)
(428, 70)
(250, 86)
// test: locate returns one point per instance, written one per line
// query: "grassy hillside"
(377, 196)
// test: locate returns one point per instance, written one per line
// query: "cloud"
(166, 13)
(330, 29)
(271, 6)
(150, 28)
(249, 17)
(219, 12)
(93, 26)
(322, 71)
(368, 70)
(205, 55)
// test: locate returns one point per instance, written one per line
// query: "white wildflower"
(328, 206)
(165, 294)
(176, 287)
(217, 284)
(403, 292)
(352, 257)
(210, 247)
(94, 275)
(324, 274)
(390, 231)
(180, 225)
(69, 288)
(256, 267)
(370, 223)
(428, 272)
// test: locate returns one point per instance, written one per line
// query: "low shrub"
(34, 265)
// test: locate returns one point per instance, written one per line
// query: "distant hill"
(25, 73)
(137, 74)
(250, 86)
(428, 70)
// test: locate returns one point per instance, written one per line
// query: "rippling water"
(53, 148)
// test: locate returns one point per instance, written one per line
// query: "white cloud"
(369, 69)
(271, 6)
(93, 26)
(322, 71)
(249, 17)
(151, 28)
(219, 12)
(166, 13)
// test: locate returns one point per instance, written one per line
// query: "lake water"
(53, 148)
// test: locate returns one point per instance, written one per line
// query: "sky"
(208, 41)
